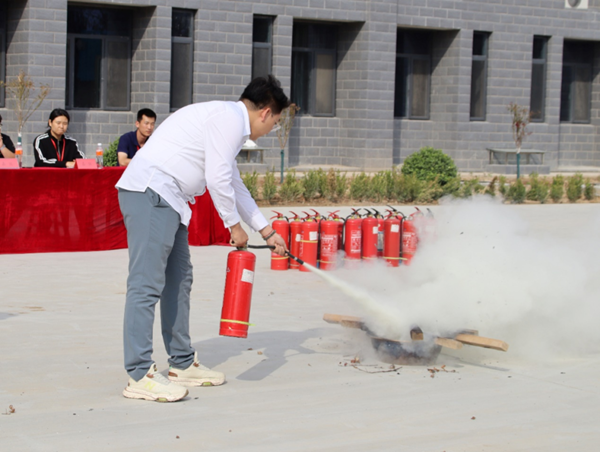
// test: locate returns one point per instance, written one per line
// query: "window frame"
(543, 63)
(69, 101)
(408, 95)
(263, 45)
(312, 82)
(573, 66)
(183, 40)
(484, 58)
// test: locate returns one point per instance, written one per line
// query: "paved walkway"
(291, 385)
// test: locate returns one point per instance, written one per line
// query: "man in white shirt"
(194, 149)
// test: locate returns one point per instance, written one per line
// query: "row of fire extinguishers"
(317, 239)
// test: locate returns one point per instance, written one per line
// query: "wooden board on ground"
(480, 341)
(347, 321)
(448, 343)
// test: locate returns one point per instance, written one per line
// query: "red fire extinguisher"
(282, 227)
(295, 239)
(391, 240)
(353, 239)
(238, 294)
(380, 221)
(340, 221)
(410, 239)
(328, 245)
(309, 243)
(370, 235)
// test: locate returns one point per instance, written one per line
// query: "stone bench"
(527, 152)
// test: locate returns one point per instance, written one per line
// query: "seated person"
(54, 148)
(7, 148)
(131, 142)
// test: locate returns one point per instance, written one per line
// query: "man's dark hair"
(266, 92)
(145, 112)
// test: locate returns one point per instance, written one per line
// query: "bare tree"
(22, 89)
(286, 122)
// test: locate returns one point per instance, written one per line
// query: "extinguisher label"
(395, 228)
(355, 241)
(313, 236)
(298, 237)
(248, 276)
(375, 229)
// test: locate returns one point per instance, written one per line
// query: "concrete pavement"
(291, 385)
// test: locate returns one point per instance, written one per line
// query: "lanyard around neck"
(62, 155)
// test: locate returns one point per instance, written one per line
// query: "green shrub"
(575, 187)
(359, 186)
(557, 188)
(334, 185)
(470, 187)
(502, 187)
(430, 191)
(269, 186)
(291, 189)
(517, 192)
(310, 185)
(538, 189)
(251, 182)
(110, 155)
(429, 164)
(453, 187)
(378, 188)
(406, 188)
(589, 191)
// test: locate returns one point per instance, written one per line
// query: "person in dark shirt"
(131, 142)
(7, 148)
(55, 149)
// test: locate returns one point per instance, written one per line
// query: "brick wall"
(363, 132)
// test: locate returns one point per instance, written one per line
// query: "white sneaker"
(196, 375)
(154, 386)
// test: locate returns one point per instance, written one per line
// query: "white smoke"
(486, 270)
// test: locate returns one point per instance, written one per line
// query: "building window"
(413, 74)
(314, 60)
(479, 75)
(182, 58)
(538, 78)
(98, 58)
(2, 52)
(262, 46)
(576, 89)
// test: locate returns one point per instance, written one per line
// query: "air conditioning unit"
(576, 4)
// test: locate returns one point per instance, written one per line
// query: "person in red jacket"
(54, 148)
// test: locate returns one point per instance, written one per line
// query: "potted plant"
(521, 117)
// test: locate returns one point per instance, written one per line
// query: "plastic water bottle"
(19, 154)
(99, 156)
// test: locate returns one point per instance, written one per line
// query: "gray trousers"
(159, 269)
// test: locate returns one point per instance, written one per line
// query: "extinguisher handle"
(287, 253)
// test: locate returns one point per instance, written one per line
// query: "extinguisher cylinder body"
(391, 241)
(282, 227)
(370, 235)
(309, 244)
(238, 294)
(353, 241)
(410, 240)
(295, 241)
(328, 243)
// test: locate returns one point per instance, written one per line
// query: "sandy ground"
(291, 384)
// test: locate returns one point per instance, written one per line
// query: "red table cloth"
(54, 209)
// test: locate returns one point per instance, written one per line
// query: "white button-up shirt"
(195, 149)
